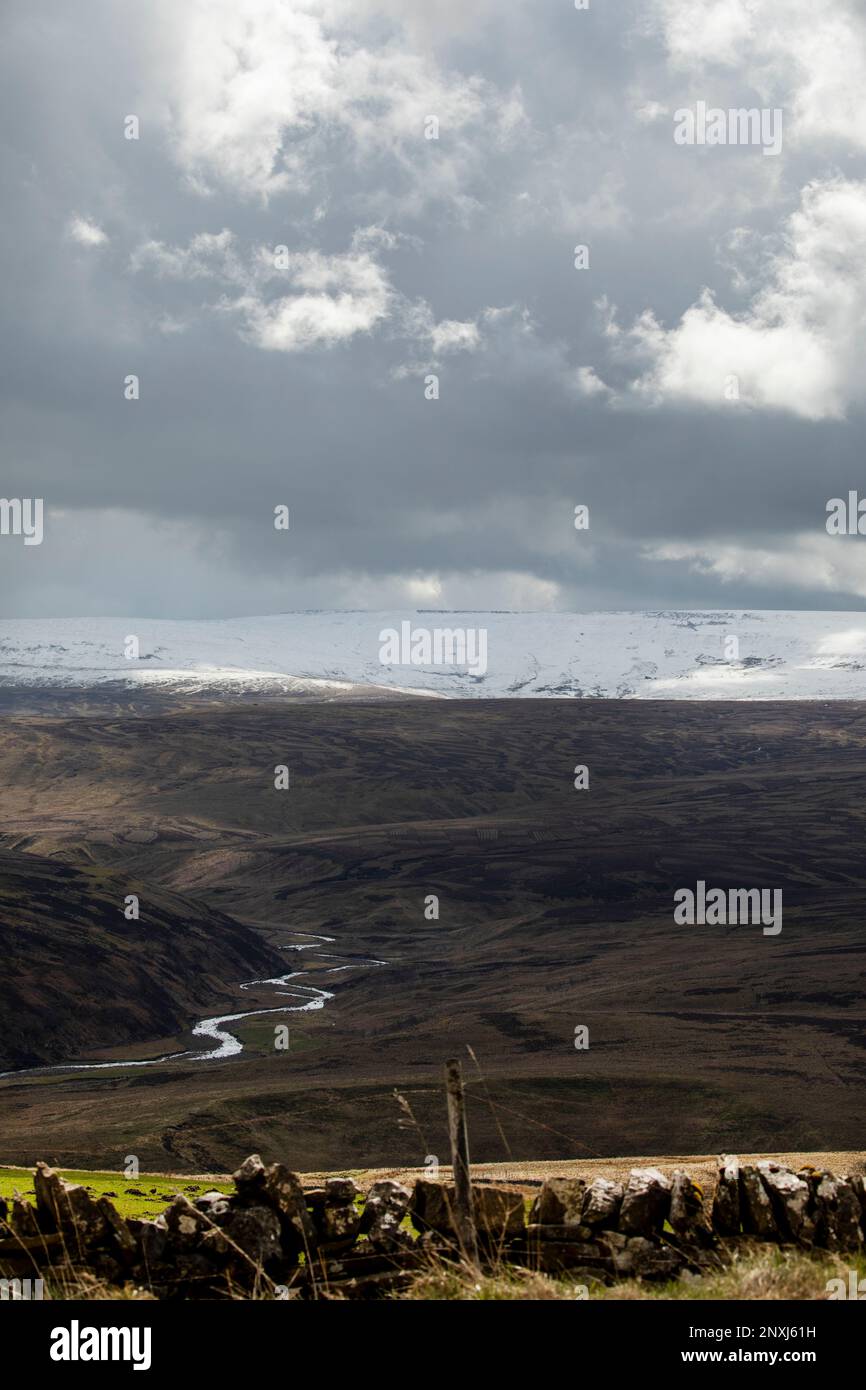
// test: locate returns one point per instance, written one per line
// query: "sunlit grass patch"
(144, 1196)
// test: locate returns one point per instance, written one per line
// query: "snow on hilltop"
(655, 655)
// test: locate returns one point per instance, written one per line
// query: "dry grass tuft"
(758, 1273)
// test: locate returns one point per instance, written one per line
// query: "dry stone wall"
(274, 1238)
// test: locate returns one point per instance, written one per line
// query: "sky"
(335, 243)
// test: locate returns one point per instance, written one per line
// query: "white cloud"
(85, 232)
(807, 561)
(800, 346)
(439, 338)
(807, 56)
(424, 589)
(292, 300)
(286, 303)
(587, 383)
(703, 31)
(206, 256)
(264, 92)
(332, 299)
(650, 111)
(509, 589)
(450, 335)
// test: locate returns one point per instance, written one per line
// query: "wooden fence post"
(464, 1216)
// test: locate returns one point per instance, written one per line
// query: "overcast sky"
(301, 377)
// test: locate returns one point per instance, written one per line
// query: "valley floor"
(553, 911)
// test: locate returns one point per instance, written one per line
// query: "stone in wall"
(498, 1211)
(726, 1199)
(756, 1211)
(838, 1213)
(687, 1215)
(386, 1205)
(646, 1202)
(791, 1202)
(602, 1204)
(559, 1203)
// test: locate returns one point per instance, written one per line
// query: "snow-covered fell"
(632, 655)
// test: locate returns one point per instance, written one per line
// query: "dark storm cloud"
(556, 130)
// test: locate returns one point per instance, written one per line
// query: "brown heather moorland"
(555, 910)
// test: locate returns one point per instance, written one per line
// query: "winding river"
(227, 1044)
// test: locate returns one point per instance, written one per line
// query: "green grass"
(258, 1036)
(157, 1190)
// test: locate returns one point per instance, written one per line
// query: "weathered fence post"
(464, 1217)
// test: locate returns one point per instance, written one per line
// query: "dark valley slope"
(77, 975)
